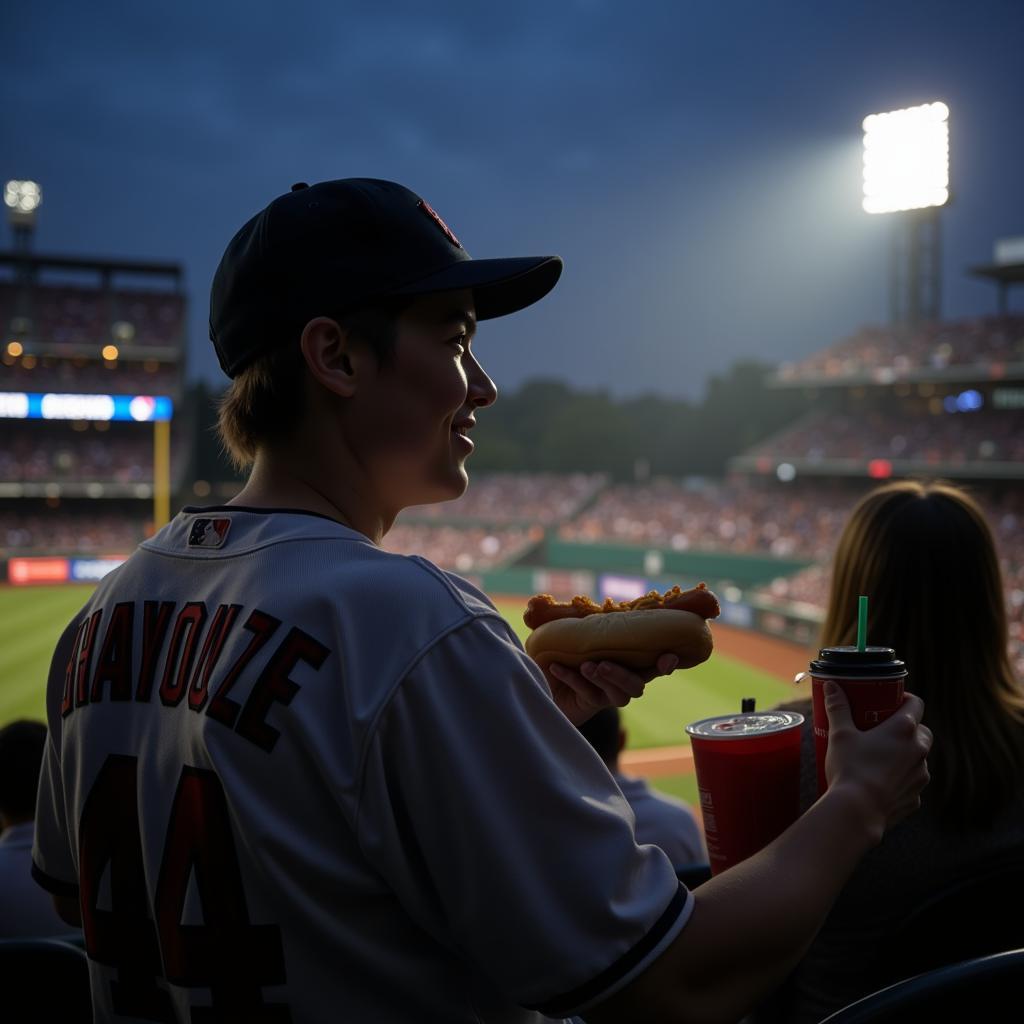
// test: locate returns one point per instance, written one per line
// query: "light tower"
(22, 199)
(906, 175)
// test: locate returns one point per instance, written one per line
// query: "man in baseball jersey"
(293, 777)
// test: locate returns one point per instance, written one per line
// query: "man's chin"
(437, 491)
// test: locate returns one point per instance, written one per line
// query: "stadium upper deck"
(979, 349)
(941, 399)
(862, 439)
(86, 337)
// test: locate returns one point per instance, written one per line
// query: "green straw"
(862, 623)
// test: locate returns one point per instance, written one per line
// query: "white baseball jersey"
(664, 821)
(294, 777)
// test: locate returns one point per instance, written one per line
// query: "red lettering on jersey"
(67, 704)
(274, 685)
(223, 620)
(225, 711)
(156, 617)
(180, 652)
(228, 954)
(117, 928)
(84, 657)
(114, 664)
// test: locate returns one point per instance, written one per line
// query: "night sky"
(696, 165)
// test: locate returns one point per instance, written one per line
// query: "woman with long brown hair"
(926, 558)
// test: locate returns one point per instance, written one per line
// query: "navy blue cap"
(326, 249)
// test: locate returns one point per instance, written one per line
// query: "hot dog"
(632, 633)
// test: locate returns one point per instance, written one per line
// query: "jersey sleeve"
(53, 865)
(501, 830)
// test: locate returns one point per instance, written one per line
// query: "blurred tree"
(546, 425)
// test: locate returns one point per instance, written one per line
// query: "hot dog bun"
(631, 638)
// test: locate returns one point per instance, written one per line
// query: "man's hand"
(597, 685)
(884, 766)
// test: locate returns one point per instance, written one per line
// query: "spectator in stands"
(924, 554)
(660, 820)
(26, 910)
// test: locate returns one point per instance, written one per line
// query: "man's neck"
(284, 480)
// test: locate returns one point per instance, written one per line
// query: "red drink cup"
(872, 680)
(748, 773)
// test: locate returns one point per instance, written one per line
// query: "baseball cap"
(325, 249)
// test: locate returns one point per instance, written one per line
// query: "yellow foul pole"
(161, 473)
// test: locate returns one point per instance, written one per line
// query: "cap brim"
(499, 287)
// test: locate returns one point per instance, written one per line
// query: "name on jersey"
(188, 668)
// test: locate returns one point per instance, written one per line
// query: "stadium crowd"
(464, 549)
(542, 498)
(34, 455)
(59, 530)
(802, 519)
(886, 354)
(88, 316)
(79, 376)
(946, 439)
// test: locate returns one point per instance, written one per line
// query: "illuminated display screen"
(16, 405)
(1008, 398)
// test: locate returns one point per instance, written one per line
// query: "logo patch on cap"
(435, 217)
(208, 533)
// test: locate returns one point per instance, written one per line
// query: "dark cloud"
(697, 165)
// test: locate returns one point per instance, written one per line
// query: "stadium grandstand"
(942, 401)
(92, 357)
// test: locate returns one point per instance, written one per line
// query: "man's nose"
(482, 390)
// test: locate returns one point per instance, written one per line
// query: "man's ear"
(334, 358)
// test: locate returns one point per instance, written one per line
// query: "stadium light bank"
(906, 175)
(906, 159)
(22, 199)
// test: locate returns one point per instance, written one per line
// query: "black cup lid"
(848, 661)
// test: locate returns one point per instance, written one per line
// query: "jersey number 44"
(227, 954)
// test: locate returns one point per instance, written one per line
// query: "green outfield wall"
(743, 570)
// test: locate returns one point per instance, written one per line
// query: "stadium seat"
(975, 915)
(44, 980)
(982, 989)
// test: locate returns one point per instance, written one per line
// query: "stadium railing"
(44, 980)
(984, 989)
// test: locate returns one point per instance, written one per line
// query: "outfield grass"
(31, 622)
(32, 618)
(682, 786)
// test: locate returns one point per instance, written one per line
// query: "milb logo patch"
(208, 533)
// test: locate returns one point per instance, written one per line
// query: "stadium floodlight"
(23, 196)
(906, 159)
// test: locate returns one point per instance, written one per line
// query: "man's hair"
(267, 400)
(601, 731)
(21, 758)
